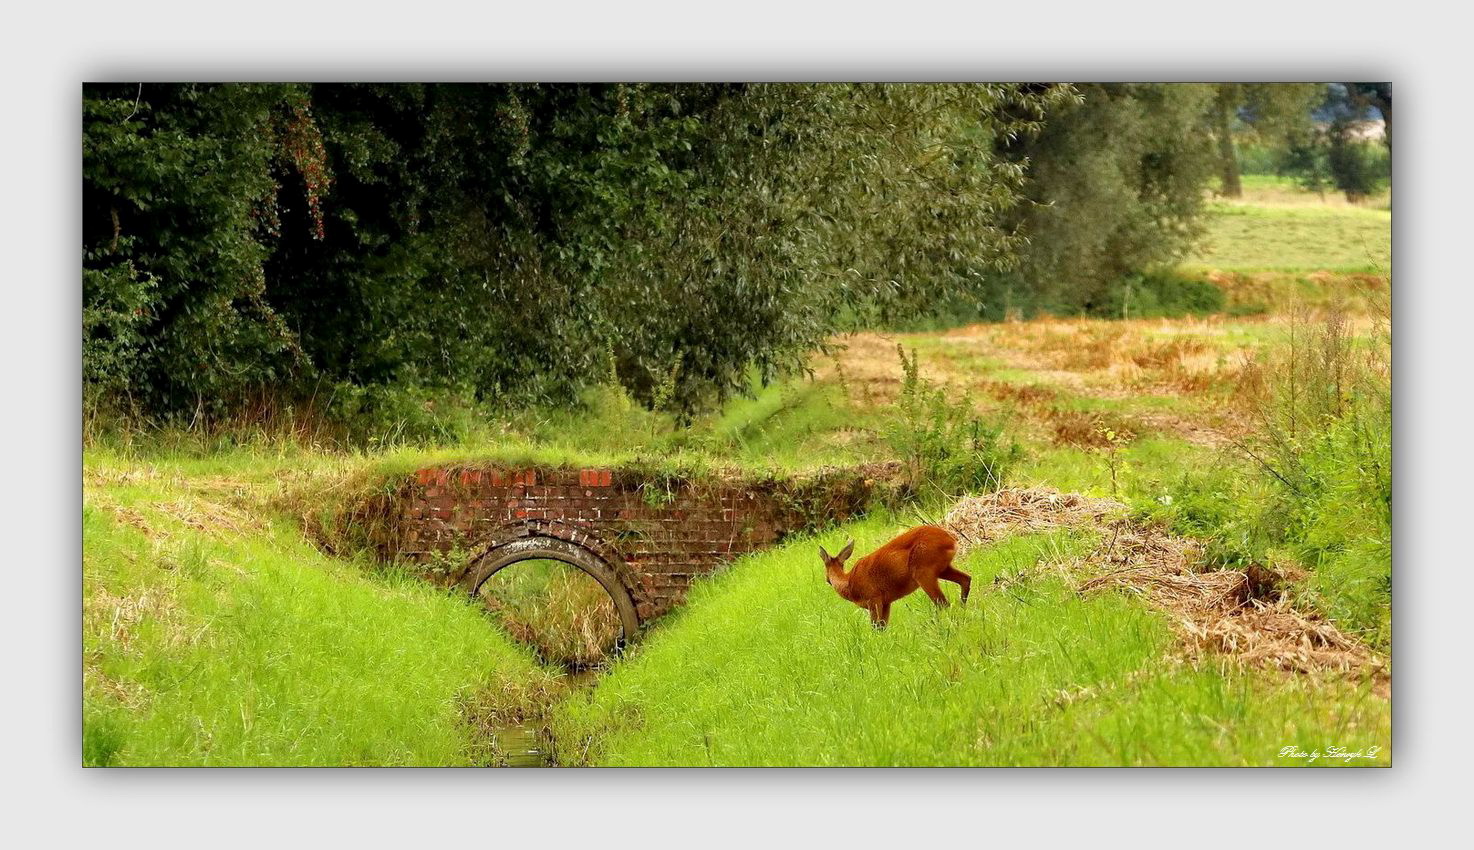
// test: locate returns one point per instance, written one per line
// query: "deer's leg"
(928, 584)
(885, 615)
(958, 577)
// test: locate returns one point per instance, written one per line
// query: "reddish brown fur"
(917, 558)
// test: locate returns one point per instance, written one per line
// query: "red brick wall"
(658, 544)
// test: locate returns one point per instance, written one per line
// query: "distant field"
(1278, 226)
(1337, 239)
(1273, 190)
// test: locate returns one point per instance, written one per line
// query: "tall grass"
(214, 634)
(1324, 439)
(1312, 488)
(766, 665)
(947, 449)
(555, 608)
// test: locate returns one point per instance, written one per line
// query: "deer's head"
(834, 567)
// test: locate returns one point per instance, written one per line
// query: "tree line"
(513, 244)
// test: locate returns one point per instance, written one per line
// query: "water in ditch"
(568, 620)
(524, 745)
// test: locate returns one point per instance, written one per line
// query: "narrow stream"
(521, 745)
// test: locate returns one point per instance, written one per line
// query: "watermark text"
(1346, 754)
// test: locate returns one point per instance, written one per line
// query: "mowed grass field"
(215, 633)
(1277, 226)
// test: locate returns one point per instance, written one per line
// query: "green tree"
(1378, 95)
(1272, 111)
(1115, 186)
(1333, 154)
(498, 241)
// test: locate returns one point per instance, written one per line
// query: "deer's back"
(888, 571)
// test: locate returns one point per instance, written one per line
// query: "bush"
(1159, 295)
(384, 415)
(947, 449)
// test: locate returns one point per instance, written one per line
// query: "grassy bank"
(767, 666)
(214, 634)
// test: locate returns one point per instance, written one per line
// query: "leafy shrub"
(402, 414)
(946, 447)
(1159, 295)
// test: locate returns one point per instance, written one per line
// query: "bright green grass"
(246, 646)
(257, 649)
(1148, 471)
(797, 425)
(1264, 238)
(767, 666)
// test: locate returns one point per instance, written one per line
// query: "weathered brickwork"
(657, 537)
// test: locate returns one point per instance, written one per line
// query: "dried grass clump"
(118, 617)
(1021, 393)
(1088, 429)
(1232, 612)
(1276, 635)
(1240, 613)
(983, 519)
(202, 515)
(130, 695)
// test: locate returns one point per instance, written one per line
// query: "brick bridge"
(644, 537)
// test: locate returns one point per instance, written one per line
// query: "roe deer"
(917, 558)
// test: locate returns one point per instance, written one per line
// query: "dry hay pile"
(975, 520)
(1244, 614)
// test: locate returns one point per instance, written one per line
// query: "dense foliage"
(1264, 112)
(514, 242)
(1115, 187)
(1333, 154)
(377, 251)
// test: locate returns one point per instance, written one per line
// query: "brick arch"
(535, 546)
(574, 533)
(655, 546)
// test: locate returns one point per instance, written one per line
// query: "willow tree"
(1114, 186)
(517, 242)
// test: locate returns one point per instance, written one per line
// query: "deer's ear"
(823, 554)
(845, 552)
